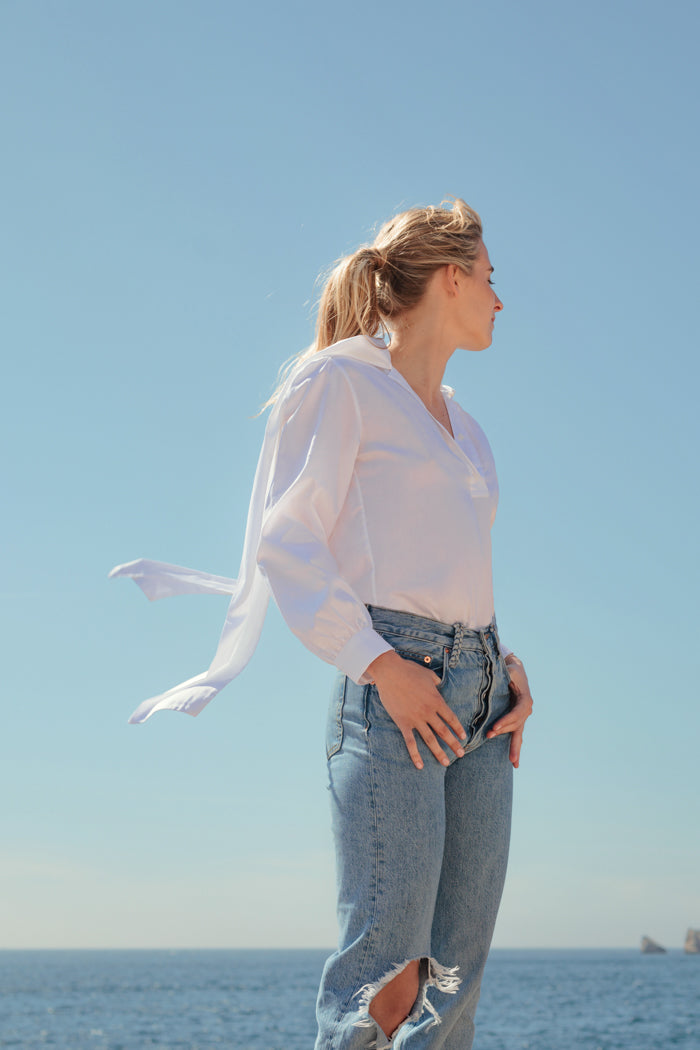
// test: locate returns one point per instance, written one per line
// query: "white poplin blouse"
(360, 497)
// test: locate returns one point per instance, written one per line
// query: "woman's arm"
(319, 438)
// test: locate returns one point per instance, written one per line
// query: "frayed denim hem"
(432, 975)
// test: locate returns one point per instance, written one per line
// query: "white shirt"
(360, 497)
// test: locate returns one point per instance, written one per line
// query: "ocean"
(264, 1000)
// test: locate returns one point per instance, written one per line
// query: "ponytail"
(349, 303)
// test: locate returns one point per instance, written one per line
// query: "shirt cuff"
(356, 656)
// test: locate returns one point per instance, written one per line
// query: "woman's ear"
(452, 279)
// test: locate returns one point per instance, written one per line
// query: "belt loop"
(456, 644)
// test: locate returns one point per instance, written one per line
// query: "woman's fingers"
(447, 715)
(443, 731)
(410, 695)
(513, 721)
(432, 742)
(442, 722)
(507, 724)
(412, 747)
(516, 741)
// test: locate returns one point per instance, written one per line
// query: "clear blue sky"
(174, 176)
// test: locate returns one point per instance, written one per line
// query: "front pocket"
(437, 661)
(432, 655)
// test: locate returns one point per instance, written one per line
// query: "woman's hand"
(515, 719)
(409, 694)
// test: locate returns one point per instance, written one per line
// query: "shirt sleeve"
(319, 437)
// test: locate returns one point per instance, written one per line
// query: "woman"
(370, 524)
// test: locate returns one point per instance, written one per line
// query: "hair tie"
(378, 258)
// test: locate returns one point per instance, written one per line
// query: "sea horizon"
(254, 998)
(318, 948)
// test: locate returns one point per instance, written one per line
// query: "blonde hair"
(380, 281)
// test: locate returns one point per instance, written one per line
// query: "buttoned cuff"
(356, 656)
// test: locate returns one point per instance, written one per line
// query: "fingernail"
(460, 752)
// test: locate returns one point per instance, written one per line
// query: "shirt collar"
(370, 352)
(362, 348)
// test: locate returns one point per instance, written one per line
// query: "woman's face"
(477, 304)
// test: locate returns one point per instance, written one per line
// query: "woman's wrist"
(382, 665)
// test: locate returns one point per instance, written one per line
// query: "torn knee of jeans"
(431, 974)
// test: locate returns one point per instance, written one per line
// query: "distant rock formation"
(650, 947)
(692, 942)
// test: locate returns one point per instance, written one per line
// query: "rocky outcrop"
(650, 947)
(692, 942)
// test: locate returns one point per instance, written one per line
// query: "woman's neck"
(422, 364)
(420, 352)
(423, 340)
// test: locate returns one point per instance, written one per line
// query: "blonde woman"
(370, 525)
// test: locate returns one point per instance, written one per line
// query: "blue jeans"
(421, 854)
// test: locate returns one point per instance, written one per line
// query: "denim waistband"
(454, 636)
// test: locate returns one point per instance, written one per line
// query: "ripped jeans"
(421, 854)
